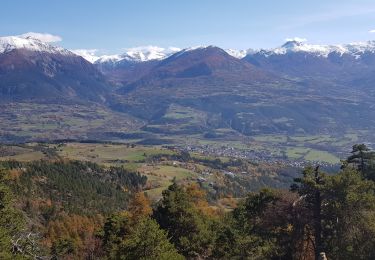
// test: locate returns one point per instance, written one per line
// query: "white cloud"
(372, 31)
(296, 39)
(44, 37)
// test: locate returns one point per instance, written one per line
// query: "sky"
(113, 25)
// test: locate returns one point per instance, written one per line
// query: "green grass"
(271, 138)
(102, 153)
(313, 139)
(315, 155)
(41, 121)
(297, 152)
(308, 154)
(172, 172)
(179, 112)
(163, 175)
(23, 155)
(155, 194)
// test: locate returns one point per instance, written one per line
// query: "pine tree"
(363, 159)
(188, 228)
(11, 222)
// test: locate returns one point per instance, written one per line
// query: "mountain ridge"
(200, 90)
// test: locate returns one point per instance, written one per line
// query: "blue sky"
(112, 25)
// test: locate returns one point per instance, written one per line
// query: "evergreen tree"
(147, 241)
(341, 209)
(141, 238)
(310, 189)
(349, 216)
(363, 159)
(188, 228)
(11, 223)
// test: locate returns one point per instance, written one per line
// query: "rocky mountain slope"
(31, 69)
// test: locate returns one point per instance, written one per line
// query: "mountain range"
(297, 88)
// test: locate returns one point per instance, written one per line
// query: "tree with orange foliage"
(73, 235)
(139, 206)
(198, 197)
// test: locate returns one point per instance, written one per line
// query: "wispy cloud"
(372, 31)
(44, 37)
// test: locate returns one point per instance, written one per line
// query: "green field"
(18, 153)
(308, 154)
(109, 153)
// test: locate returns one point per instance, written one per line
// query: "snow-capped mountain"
(10, 43)
(239, 54)
(108, 59)
(203, 68)
(24, 56)
(300, 46)
(137, 54)
(297, 58)
(87, 54)
(32, 69)
(146, 53)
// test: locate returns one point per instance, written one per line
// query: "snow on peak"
(9, 43)
(239, 54)
(292, 44)
(92, 56)
(300, 45)
(43, 37)
(361, 47)
(296, 39)
(109, 58)
(137, 54)
(87, 54)
(196, 47)
(147, 53)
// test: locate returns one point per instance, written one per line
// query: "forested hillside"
(63, 209)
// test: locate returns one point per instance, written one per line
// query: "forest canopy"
(81, 210)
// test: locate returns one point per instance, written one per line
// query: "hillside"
(34, 70)
(280, 103)
(61, 208)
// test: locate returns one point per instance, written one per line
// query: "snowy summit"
(10, 43)
(300, 45)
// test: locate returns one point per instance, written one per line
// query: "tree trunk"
(317, 217)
